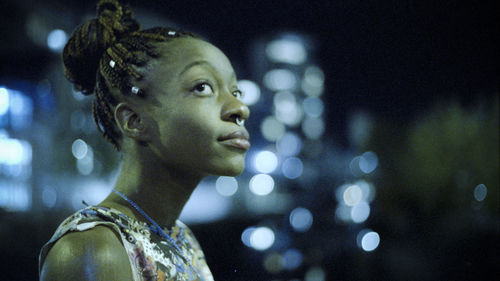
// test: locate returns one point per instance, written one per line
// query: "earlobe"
(130, 122)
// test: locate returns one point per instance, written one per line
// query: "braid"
(102, 53)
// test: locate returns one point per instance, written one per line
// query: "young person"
(170, 102)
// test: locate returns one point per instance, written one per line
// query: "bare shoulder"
(95, 254)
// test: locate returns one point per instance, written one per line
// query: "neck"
(159, 190)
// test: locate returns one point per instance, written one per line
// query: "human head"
(104, 56)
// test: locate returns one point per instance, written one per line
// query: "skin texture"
(170, 143)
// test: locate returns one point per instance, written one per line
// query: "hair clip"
(112, 63)
(239, 121)
(135, 90)
(171, 33)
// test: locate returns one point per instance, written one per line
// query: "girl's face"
(196, 104)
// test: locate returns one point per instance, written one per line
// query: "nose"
(234, 109)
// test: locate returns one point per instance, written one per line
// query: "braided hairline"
(120, 74)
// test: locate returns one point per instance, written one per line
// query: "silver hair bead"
(171, 33)
(112, 63)
(239, 121)
(135, 90)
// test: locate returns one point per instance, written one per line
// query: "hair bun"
(88, 43)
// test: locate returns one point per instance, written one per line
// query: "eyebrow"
(202, 62)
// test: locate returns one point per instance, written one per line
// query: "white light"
(4, 101)
(289, 145)
(480, 192)
(313, 128)
(360, 212)
(85, 165)
(367, 189)
(79, 149)
(15, 152)
(292, 259)
(343, 213)
(313, 106)
(262, 238)
(368, 162)
(250, 90)
(14, 197)
(261, 184)
(313, 81)
(292, 168)
(246, 234)
(286, 108)
(286, 51)
(301, 219)
(49, 197)
(280, 80)
(370, 241)
(266, 162)
(352, 195)
(56, 39)
(226, 186)
(272, 129)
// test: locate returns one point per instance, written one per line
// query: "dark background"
(410, 64)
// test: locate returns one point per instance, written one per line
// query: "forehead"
(180, 53)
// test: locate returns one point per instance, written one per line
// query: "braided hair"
(101, 55)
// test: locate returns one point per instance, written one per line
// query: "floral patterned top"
(151, 257)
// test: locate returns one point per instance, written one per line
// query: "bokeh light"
(266, 162)
(301, 219)
(272, 129)
(292, 259)
(315, 273)
(289, 144)
(286, 108)
(79, 149)
(313, 81)
(262, 238)
(56, 39)
(313, 106)
(280, 80)
(352, 195)
(286, 51)
(261, 184)
(250, 90)
(226, 186)
(368, 162)
(360, 212)
(313, 128)
(292, 168)
(480, 192)
(369, 240)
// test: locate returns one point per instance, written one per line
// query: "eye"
(238, 94)
(203, 89)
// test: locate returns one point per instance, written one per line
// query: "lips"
(237, 139)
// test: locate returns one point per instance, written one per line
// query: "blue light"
(14, 196)
(301, 219)
(292, 259)
(4, 100)
(480, 192)
(56, 39)
(292, 168)
(289, 145)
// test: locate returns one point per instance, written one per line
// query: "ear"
(131, 123)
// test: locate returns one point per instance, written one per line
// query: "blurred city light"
(15, 151)
(286, 108)
(85, 165)
(292, 259)
(289, 144)
(360, 212)
(368, 240)
(352, 195)
(313, 81)
(272, 129)
(315, 273)
(313, 128)
(261, 184)
(266, 162)
(4, 100)
(313, 106)
(280, 80)
(301, 219)
(15, 197)
(49, 197)
(480, 192)
(273, 263)
(292, 168)
(368, 162)
(79, 149)
(246, 234)
(56, 39)
(226, 186)
(250, 90)
(286, 51)
(262, 238)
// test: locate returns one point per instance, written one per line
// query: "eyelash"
(237, 94)
(197, 87)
